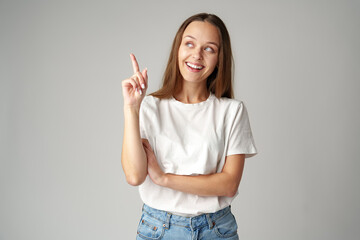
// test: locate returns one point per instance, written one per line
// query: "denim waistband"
(168, 219)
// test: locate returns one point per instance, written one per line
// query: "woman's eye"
(189, 44)
(209, 49)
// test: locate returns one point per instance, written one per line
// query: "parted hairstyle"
(220, 80)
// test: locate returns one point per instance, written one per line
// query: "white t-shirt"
(192, 139)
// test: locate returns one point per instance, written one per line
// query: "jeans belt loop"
(167, 224)
(210, 221)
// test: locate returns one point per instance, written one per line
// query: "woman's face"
(198, 51)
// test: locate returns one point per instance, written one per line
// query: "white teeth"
(194, 66)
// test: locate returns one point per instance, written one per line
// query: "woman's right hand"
(134, 88)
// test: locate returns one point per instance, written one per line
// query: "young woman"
(186, 144)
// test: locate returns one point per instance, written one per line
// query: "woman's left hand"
(154, 170)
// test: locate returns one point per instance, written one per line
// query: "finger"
(130, 81)
(146, 152)
(134, 83)
(137, 78)
(141, 80)
(146, 143)
(145, 76)
(146, 147)
(134, 63)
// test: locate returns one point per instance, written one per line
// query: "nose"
(197, 54)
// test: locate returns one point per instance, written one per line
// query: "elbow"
(232, 191)
(135, 180)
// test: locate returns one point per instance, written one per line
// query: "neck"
(192, 93)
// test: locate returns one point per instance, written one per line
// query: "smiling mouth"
(194, 66)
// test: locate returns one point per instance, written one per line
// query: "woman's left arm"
(225, 183)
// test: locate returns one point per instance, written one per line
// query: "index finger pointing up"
(134, 63)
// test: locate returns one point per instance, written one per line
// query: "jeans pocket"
(226, 226)
(150, 228)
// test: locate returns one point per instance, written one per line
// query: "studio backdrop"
(61, 123)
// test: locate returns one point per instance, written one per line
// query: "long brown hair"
(220, 80)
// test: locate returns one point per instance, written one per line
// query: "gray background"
(61, 66)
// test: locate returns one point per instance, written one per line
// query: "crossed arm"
(225, 183)
(144, 163)
(139, 160)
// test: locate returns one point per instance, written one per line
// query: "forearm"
(225, 183)
(133, 156)
(217, 184)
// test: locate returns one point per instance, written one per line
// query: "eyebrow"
(214, 43)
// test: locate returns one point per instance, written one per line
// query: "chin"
(192, 79)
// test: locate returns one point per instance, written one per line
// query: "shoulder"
(232, 109)
(152, 103)
(149, 100)
(230, 103)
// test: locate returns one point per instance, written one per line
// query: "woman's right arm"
(133, 157)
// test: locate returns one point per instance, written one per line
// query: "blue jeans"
(157, 224)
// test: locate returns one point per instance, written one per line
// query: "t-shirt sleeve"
(241, 140)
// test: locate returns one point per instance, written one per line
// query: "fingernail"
(140, 91)
(143, 86)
